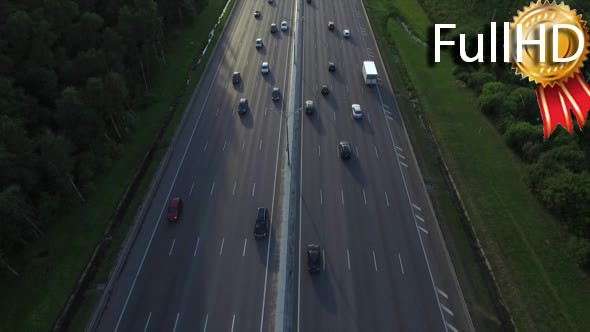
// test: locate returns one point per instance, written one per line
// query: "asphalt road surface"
(384, 264)
(207, 272)
(384, 267)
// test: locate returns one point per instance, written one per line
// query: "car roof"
(344, 143)
(243, 100)
(265, 63)
(275, 89)
(175, 201)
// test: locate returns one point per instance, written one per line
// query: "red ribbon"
(556, 102)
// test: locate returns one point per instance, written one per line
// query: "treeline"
(73, 77)
(557, 169)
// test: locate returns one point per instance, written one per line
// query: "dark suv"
(261, 226)
(314, 257)
(345, 150)
(236, 78)
(331, 66)
(276, 94)
(243, 106)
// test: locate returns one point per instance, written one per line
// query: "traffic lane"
(434, 247)
(325, 300)
(125, 281)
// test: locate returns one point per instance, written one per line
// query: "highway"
(207, 272)
(384, 267)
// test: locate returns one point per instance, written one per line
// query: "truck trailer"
(369, 72)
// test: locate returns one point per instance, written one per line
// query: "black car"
(314, 257)
(273, 28)
(257, 14)
(308, 1)
(331, 66)
(236, 78)
(261, 225)
(243, 106)
(331, 25)
(308, 107)
(325, 89)
(276, 94)
(345, 150)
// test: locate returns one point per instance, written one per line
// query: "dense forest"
(73, 77)
(557, 169)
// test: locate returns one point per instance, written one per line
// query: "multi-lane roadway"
(207, 272)
(384, 265)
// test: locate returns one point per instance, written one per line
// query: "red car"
(175, 209)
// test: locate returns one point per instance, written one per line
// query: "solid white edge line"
(147, 323)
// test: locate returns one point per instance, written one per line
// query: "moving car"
(325, 89)
(262, 224)
(276, 94)
(331, 66)
(271, 1)
(314, 257)
(236, 78)
(259, 43)
(308, 1)
(308, 106)
(284, 26)
(357, 113)
(264, 69)
(243, 106)
(331, 25)
(257, 14)
(345, 150)
(346, 33)
(174, 209)
(273, 28)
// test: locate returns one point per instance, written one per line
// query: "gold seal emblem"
(548, 73)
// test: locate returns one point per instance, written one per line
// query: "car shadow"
(247, 119)
(365, 125)
(353, 166)
(269, 78)
(316, 122)
(239, 87)
(262, 50)
(323, 286)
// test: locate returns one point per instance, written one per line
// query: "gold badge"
(548, 73)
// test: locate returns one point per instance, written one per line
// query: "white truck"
(369, 72)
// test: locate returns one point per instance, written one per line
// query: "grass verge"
(32, 301)
(542, 286)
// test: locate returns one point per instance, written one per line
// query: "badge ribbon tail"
(556, 102)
